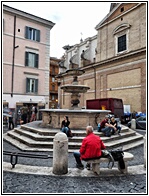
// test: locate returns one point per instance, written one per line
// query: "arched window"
(121, 34)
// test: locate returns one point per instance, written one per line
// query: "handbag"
(69, 134)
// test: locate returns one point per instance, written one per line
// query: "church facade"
(114, 61)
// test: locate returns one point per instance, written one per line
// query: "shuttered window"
(32, 34)
(31, 59)
(31, 85)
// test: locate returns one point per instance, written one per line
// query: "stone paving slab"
(19, 168)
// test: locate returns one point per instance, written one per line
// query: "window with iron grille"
(32, 34)
(122, 43)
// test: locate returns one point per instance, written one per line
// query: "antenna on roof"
(81, 40)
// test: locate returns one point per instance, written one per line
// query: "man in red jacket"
(91, 148)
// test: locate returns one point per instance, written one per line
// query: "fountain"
(74, 88)
(79, 118)
(39, 135)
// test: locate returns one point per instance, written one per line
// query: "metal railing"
(14, 156)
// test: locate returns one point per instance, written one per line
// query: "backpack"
(36, 110)
(114, 155)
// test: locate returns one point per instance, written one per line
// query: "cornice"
(28, 16)
(116, 58)
(102, 24)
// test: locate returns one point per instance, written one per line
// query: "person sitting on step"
(106, 127)
(65, 126)
(114, 123)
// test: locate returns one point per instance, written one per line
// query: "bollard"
(145, 151)
(60, 154)
(133, 124)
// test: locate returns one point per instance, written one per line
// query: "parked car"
(140, 123)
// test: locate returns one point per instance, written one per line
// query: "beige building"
(26, 59)
(119, 70)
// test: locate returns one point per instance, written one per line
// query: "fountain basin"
(69, 88)
(79, 119)
(75, 72)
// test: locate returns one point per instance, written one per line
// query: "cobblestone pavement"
(30, 183)
(24, 183)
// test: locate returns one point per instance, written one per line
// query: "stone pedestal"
(133, 124)
(60, 154)
(79, 119)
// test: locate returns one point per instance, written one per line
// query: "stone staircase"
(33, 137)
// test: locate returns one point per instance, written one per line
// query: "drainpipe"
(95, 80)
(12, 79)
(63, 93)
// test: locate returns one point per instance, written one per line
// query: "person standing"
(23, 119)
(91, 148)
(33, 115)
(36, 113)
(10, 120)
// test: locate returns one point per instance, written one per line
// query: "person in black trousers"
(11, 123)
(23, 119)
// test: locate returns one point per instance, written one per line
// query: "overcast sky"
(73, 20)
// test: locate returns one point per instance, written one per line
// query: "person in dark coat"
(11, 123)
(115, 124)
(65, 126)
(23, 119)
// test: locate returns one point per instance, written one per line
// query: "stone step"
(34, 136)
(38, 137)
(30, 142)
(133, 144)
(109, 142)
(25, 147)
(52, 132)
(124, 141)
(38, 130)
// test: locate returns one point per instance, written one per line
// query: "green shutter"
(26, 32)
(36, 60)
(36, 85)
(27, 85)
(38, 35)
(26, 58)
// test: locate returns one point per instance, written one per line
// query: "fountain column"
(75, 89)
